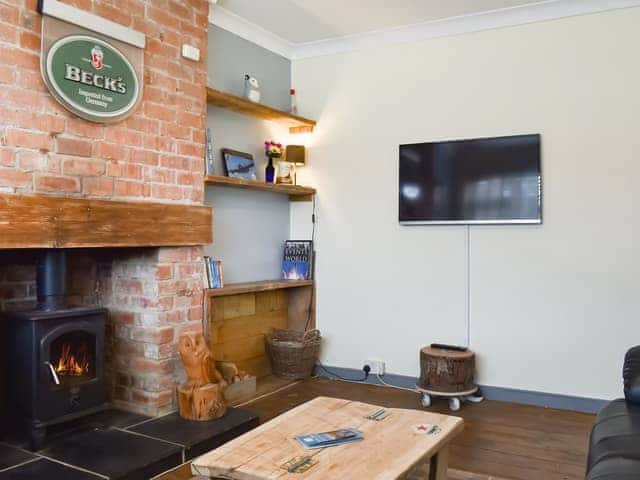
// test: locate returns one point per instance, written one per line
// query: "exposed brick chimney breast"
(156, 155)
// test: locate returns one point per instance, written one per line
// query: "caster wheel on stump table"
(474, 398)
(455, 399)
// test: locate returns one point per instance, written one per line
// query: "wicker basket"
(293, 354)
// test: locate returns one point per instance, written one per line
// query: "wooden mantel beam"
(40, 221)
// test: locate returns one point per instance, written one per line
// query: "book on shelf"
(330, 439)
(297, 261)
(208, 271)
(220, 275)
(215, 278)
(208, 153)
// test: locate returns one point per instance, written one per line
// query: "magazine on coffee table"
(330, 439)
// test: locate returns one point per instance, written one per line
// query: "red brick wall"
(156, 154)
(152, 297)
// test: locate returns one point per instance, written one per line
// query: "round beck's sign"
(91, 78)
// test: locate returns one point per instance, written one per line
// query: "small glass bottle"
(269, 171)
(294, 107)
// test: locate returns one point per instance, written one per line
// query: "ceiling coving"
(306, 28)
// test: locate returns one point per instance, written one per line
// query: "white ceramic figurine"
(251, 88)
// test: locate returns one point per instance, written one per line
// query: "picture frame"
(239, 164)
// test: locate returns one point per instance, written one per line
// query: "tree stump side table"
(447, 373)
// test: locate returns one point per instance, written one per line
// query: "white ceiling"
(302, 21)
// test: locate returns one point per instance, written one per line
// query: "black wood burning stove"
(55, 356)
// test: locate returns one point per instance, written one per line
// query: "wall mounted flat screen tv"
(481, 181)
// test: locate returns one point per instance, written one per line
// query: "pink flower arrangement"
(272, 149)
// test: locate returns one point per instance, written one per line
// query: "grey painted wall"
(243, 133)
(249, 227)
(231, 57)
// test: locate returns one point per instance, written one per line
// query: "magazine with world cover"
(297, 260)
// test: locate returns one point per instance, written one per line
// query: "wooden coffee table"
(390, 449)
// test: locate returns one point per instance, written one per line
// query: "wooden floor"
(500, 441)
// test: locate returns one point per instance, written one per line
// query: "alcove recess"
(241, 314)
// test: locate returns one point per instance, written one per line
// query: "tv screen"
(487, 180)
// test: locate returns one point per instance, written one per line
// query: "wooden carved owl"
(197, 360)
(201, 397)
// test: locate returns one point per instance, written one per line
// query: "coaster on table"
(425, 429)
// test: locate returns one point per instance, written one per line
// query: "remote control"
(442, 346)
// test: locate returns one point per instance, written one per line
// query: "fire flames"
(71, 364)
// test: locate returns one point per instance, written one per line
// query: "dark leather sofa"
(614, 450)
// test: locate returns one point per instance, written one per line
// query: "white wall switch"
(191, 52)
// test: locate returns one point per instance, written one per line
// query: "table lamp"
(297, 156)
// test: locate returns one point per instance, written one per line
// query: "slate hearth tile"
(105, 419)
(116, 454)
(114, 418)
(199, 437)
(10, 456)
(45, 469)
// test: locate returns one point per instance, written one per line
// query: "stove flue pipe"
(51, 279)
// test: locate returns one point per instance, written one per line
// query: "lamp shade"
(296, 154)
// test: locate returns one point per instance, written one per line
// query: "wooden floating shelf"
(252, 287)
(41, 221)
(295, 192)
(238, 104)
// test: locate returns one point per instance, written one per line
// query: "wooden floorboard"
(264, 386)
(501, 440)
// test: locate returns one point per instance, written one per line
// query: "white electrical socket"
(377, 367)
